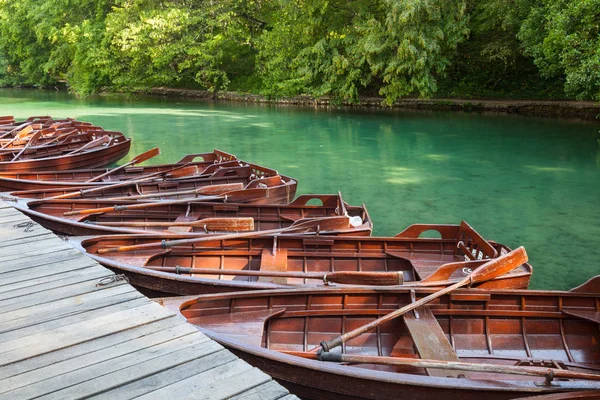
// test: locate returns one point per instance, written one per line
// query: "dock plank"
(200, 382)
(88, 359)
(89, 346)
(166, 378)
(134, 367)
(270, 390)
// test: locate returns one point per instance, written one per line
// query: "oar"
(343, 277)
(136, 206)
(209, 224)
(136, 160)
(302, 225)
(389, 278)
(149, 177)
(209, 190)
(548, 373)
(22, 133)
(490, 270)
(96, 142)
(15, 129)
(33, 139)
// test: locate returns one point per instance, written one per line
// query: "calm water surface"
(519, 181)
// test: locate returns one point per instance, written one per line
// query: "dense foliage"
(338, 48)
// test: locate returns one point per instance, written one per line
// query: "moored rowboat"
(25, 180)
(247, 183)
(109, 148)
(171, 218)
(237, 262)
(469, 344)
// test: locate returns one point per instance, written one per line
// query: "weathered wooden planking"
(98, 344)
(53, 294)
(96, 357)
(169, 377)
(52, 268)
(63, 336)
(113, 305)
(51, 340)
(52, 309)
(90, 274)
(200, 382)
(134, 367)
(267, 391)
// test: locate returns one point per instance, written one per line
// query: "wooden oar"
(31, 141)
(96, 142)
(389, 278)
(136, 160)
(209, 190)
(125, 207)
(209, 224)
(149, 177)
(22, 133)
(15, 129)
(548, 373)
(302, 225)
(343, 277)
(490, 270)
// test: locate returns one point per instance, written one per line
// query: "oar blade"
(140, 158)
(499, 266)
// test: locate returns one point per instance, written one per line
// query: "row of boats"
(299, 287)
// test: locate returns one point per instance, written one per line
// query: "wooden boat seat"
(425, 264)
(248, 326)
(593, 316)
(273, 262)
(430, 340)
(184, 218)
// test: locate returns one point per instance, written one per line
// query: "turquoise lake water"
(520, 181)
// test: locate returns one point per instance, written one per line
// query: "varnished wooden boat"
(51, 158)
(307, 258)
(50, 214)
(256, 184)
(479, 330)
(203, 163)
(73, 142)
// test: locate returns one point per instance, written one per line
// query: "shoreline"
(581, 110)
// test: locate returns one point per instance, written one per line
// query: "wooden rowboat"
(247, 183)
(25, 180)
(236, 262)
(470, 344)
(115, 147)
(163, 218)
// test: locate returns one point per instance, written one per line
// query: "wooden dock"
(69, 329)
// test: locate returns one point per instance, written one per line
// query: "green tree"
(341, 48)
(563, 37)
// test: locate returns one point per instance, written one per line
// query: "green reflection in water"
(520, 181)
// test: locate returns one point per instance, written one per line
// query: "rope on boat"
(8, 198)
(107, 280)
(27, 225)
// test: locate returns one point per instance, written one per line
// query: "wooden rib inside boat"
(498, 330)
(162, 219)
(25, 180)
(285, 260)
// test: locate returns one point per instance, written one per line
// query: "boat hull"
(90, 159)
